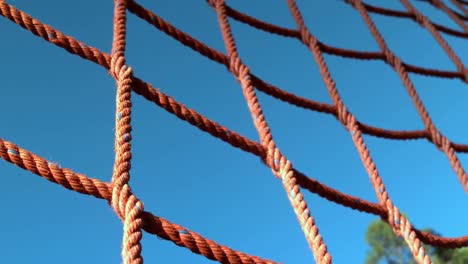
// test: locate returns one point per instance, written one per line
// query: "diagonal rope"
(281, 167)
(398, 222)
(462, 6)
(441, 142)
(426, 23)
(456, 17)
(402, 14)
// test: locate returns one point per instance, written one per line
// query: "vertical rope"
(281, 167)
(126, 205)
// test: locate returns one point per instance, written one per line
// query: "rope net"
(130, 209)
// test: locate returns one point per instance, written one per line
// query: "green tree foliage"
(387, 248)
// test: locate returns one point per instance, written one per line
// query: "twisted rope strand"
(161, 227)
(441, 142)
(348, 120)
(459, 5)
(241, 17)
(286, 96)
(402, 14)
(281, 167)
(127, 206)
(455, 11)
(456, 17)
(426, 23)
(203, 123)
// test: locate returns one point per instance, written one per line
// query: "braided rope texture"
(130, 209)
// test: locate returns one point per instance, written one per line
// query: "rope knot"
(465, 75)
(307, 38)
(392, 59)
(121, 71)
(420, 18)
(343, 115)
(441, 142)
(118, 68)
(240, 70)
(396, 220)
(273, 157)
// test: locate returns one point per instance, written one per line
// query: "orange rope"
(161, 227)
(425, 22)
(130, 209)
(127, 206)
(280, 166)
(456, 17)
(349, 120)
(461, 5)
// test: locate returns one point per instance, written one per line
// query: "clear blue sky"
(61, 107)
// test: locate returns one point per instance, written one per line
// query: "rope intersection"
(131, 210)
